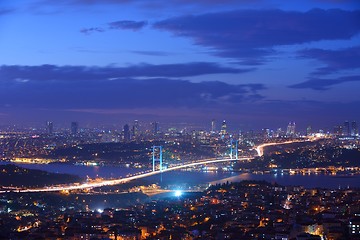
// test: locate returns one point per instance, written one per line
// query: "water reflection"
(192, 178)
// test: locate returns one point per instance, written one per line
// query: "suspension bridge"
(157, 156)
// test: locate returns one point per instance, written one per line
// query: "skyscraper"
(290, 131)
(338, 130)
(354, 129)
(156, 128)
(308, 131)
(346, 130)
(49, 127)
(135, 129)
(266, 133)
(126, 133)
(223, 128)
(213, 126)
(74, 128)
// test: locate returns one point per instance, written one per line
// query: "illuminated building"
(74, 128)
(290, 131)
(136, 128)
(308, 130)
(346, 130)
(126, 133)
(354, 226)
(223, 128)
(279, 132)
(241, 136)
(213, 126)
(266, 133)
(354, 129)
(156, 128)
(49, 128)
(338, 130)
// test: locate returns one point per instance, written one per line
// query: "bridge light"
(178, 193)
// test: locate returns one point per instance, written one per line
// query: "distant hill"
(12, 175)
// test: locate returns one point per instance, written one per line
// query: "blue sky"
(255, 63)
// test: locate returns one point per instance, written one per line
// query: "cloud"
(325, 84)
(88, 31)
(128, 25)
(151, 3)
(65, 93)
(335, 60)
(152, 53)
(251, 35)
(123, 25)
(53, 72)
(6, 11)
(118, 25)
(53, 87)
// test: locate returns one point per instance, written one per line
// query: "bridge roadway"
(121, 180)
(77, 186)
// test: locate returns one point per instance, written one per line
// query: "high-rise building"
(156, 128)
(223, 128)
(49, 127)
(133, 132)
(354, 129)
(338, 130)
(279, 133)
(135, 129)
(213, 126)
(308, 131)
(126, 133)
(266, 133)
(290, 131)
(241, 136)
(74, 128)
(346, 130)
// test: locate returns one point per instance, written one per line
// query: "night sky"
(255, 63)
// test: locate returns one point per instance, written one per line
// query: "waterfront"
(188, 178)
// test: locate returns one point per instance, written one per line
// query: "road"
(260, 148)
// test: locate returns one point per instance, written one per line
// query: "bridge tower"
(234, 149)
(157, 157)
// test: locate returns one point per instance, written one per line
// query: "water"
(308, 181)
(81, 170)
(193, 178)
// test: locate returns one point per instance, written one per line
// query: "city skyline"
(268, 63)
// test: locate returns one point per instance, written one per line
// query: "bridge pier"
(234, 149)
(157, 159)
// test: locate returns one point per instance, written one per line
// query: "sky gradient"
(254, 63)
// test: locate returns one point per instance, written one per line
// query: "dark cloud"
(152, 53)
(53, 72)
(5, 11)
(86, 94)
(325, 84)
(318, 114)
(341, 2)
(122, 25)
(250, 35)
(152, 2)
(128, 25)
(88, 31)
(73, 88)
(335, 60)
